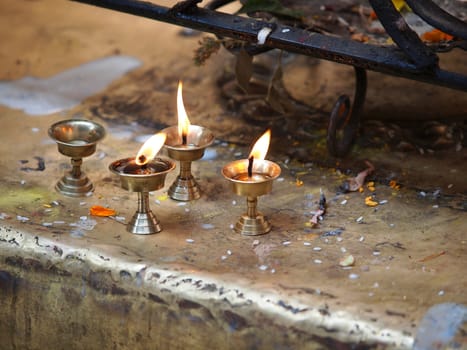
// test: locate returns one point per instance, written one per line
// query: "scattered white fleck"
(223, 257)
(441, 293)
(263, 267)
(392, 225)
(189, 240)
(59, 222)
(361, 239)
(263, 34)
(231, 226)
(207, 226)
(339, 239)
(371, 294)
(286, 243)
(317, 249)
(353, 276)
(89, 194)
(360, 219)
(234, 202)
(82, 203)
(376, 253)
(22, 218)
(35, 129)
(280, 179)
(255, 242)
(344, 202)
(326, 240)
(47, 210)
(4, 216)
(158, 202)
(237, 154)
(273, 270)
(101, 155)
(286, 161)
(187, 210)
(343, 250)
(56, 203)
(229, 252)
(285, 30)
(436, 206)
(22, 182)
(120, 218)
(307, 243)
(224, 144)
(181, 204)
(450, 185)
(47, 224)
(83, 217)
(376, 285)
(422, 193)
(318, 261)
(383, 201)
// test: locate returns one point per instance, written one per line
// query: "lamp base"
(184, 189)
(144, 224)
(249, 226)
(72, 186)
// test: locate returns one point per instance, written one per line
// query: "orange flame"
(150, 148)
(183, 121)
(260, 148)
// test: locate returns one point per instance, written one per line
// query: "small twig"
(432, 256)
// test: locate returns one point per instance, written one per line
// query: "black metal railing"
(409, 57)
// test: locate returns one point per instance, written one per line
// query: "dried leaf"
(277, 96)
(207, 47)
(97, 210)
(244, 70)
(354, 184)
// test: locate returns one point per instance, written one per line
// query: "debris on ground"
(355, 183)
(97, 210)
(318, 214)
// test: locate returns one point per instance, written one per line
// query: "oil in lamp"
(143, 174)
(186, 143)
(76, 138)
(252, 178)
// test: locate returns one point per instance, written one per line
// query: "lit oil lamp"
(76, 138)
(186, 143)
(143, 174)
(252, 178)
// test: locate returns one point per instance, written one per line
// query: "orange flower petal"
(436, 35)
(97, 210)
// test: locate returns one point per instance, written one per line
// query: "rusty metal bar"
(388, 60)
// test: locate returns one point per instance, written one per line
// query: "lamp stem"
(143, 202)
(76, 167)
(251, 203)
(185, 170)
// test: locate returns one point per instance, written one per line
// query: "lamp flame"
(260, 148)
(150, 148)
(183, 121)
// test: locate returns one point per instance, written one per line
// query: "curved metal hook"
(438, 18)
(346, 117)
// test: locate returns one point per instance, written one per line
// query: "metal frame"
(409, 58)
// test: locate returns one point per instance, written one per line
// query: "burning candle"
(186, 143)
(253, 177)
(143, 163)
(258, 153)
(144, 173)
